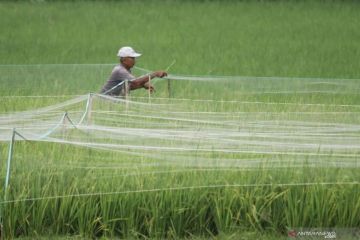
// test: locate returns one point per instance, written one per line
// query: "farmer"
(121, 80)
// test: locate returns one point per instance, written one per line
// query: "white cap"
(127, 52)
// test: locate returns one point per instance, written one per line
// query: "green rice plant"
(60, 189)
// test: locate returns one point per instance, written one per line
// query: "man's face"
(129, 62)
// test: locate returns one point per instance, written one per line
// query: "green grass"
(282, 38)
(241, 38)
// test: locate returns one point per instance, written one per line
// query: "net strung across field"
(195, 132)
(214, 132)
(78, 79)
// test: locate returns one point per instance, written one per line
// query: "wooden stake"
(169, 81)
(126, 95)
(169, 88)
(89, 109)
(149, 89)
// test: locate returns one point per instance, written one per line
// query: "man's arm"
(140, 82)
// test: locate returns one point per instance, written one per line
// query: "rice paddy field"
(255, 134)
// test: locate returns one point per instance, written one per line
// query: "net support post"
(8, 165)
(169, 87)
(149, 89)
(1, 215)
(63, 124)
(126, 90)
(89, 109)
(7, 179)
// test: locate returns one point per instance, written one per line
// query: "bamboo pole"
(149, 89)
(90, 101)
(169, 81)
(7, 179)
(86, 113)
(11, 150)
(126, 94)
(169, 88)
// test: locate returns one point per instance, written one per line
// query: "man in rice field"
(121, 80)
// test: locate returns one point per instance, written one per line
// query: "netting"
(78, 79)
(206, 132)
(141, 128)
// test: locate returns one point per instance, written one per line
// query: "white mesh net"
(199, 134)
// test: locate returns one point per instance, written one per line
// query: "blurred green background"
(256, 38)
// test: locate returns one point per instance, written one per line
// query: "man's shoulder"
(120, 71)
(119, 68)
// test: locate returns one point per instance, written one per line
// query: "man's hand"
(147, 86)
(159, 74)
